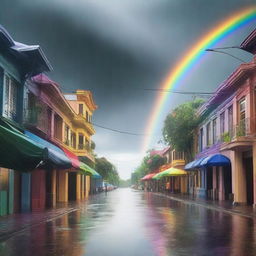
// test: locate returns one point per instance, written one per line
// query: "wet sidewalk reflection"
(126, 222)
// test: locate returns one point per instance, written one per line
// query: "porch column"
(78, 186)
(82, 186)
(254, 173)
(239, 179)
(62, 186)
(87, 186)
(53, 188)
(221, 184)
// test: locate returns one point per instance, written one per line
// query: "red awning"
(148, 176)
(73, 158)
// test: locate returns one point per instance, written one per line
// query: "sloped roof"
(32, 56)
(249, 43)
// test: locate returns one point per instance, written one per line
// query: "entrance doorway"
(248, 169)
(71, 186)
(227, 182)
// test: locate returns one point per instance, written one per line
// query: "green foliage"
(179, 126)
(107, 170)
(226, 137)
(148, 164)
(155, 162)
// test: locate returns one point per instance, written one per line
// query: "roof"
(32, 56)
(249, 43)
(159, 152)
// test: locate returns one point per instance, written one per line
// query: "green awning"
(19, 152)
(89, 171)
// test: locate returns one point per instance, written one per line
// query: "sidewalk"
(11, 225)
(222, 206)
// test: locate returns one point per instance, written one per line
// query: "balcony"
(36, 118)
(178, 162)
(85, 150)
(239, 135)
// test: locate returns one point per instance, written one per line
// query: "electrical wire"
(118, 131)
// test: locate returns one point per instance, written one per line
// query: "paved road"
(131, 223)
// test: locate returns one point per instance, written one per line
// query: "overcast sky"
(117, 48)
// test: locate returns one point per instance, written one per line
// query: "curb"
(220, 209)
(13, 233)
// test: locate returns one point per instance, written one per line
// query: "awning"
(89, 171)
(215, 160)
(55, 155)
(170, 172)
(148, 176)
(18, 152)
(72, 157)
(194, 164)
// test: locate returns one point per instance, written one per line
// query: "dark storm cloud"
(118, 47)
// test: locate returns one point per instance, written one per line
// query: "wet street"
(127, 222)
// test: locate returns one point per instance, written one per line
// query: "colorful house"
(17, 63)
(51, 117)
(226, 147)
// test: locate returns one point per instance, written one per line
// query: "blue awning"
(215, 160)
(194, 164)
(55, 155)
(189, 165)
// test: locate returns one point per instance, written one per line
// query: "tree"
(179, 126)
(107, 170)
(148, 164)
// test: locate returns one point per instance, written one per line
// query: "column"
(221, 184)
(78, 186)
(25, 192)
(82, 187)
(239, 179)
(87, 186)
(52, 124)
(53, 195)
(62, 186)
(254, 173)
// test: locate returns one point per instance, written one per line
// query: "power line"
(118, 131)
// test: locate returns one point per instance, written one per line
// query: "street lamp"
(231, 55)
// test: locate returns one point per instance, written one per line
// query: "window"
(81, 109)
(242, 109)
(201, 134)
(241, 129)
(208, 134)
(58, 122)
(73, 140)
(10, 97)
(214, 131)
(222, 123)
(80, 141)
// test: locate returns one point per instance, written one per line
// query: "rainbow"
(190, 59)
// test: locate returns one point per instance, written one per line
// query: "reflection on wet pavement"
(126, 222)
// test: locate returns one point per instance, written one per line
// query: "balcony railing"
(242, 129)
(85, 147)
(36, 118)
